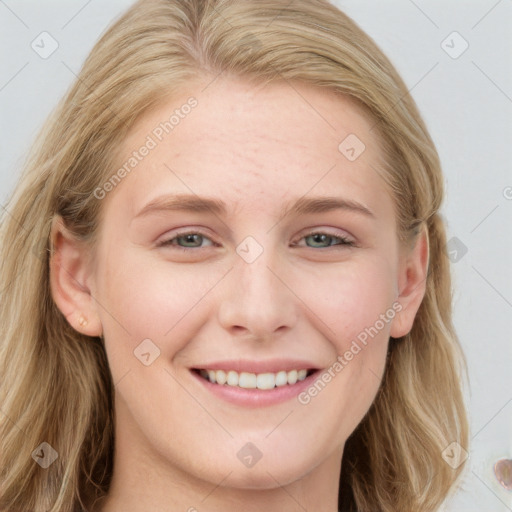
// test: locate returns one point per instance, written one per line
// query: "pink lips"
(257, 397)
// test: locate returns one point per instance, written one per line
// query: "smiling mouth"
(247, 380)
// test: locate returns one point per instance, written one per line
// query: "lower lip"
(257, 397)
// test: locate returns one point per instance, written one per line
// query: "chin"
(265, 477)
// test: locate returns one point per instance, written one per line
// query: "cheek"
(356, 304)
(146, 298)
(354, 300)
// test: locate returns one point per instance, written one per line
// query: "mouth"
(261, 381)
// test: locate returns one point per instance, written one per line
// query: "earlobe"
(68, 281)
(412, 284)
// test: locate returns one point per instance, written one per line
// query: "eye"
(186, 240)
(322, 240)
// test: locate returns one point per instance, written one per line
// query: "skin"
(256, 148)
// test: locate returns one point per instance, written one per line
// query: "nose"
(256, 299)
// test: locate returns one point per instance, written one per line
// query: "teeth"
(247, 380)
(253, 380)
(220, 377)
(232, 379)
(266, 381)
(281, 378)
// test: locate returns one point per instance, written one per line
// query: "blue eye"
(192, 241)
(325, 238)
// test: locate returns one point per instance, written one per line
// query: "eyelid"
(190, 231)
(346, 240)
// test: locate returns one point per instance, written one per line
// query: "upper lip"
(251, 366)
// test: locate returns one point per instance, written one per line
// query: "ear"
(412, 282)
(69, 275)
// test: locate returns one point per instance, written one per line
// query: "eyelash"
(344, 241)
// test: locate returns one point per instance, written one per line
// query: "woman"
(224, 282)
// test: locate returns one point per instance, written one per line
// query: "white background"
(467, 104)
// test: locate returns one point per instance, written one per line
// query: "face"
(294, 264)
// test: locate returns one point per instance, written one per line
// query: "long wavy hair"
(55, 383)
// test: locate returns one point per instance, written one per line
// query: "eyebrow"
(303, 206)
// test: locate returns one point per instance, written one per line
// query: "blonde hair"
(56, 386)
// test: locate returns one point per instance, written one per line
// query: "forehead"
(253, 144)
